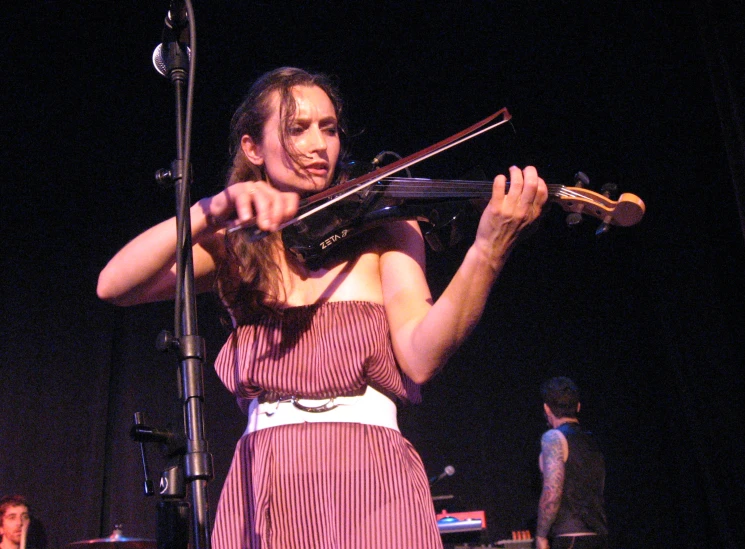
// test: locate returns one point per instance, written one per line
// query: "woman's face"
(314, 136)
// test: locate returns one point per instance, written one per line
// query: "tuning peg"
(609, 190)
(573, 219)
(580, 180)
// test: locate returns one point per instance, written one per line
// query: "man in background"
(14, 521)
(571, 510)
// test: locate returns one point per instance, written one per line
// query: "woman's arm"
(145, 269)
(426, 334)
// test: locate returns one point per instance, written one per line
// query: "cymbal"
(114, 541)
(108, 543)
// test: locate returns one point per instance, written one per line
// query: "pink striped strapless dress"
(321, 485)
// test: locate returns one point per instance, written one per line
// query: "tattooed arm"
(554, 451)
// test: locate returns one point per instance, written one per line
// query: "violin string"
(426, 188)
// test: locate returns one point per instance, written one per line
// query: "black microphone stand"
(194, 463)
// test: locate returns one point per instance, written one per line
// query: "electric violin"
(331, 217)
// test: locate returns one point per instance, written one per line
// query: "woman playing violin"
(318, 358)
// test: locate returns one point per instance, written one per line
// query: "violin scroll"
(628, 210)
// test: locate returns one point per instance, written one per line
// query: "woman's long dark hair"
(249, 283)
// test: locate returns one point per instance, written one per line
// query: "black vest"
(582, 505)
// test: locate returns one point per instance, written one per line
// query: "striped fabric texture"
(321, 485)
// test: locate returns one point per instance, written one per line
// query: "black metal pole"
(175, 59)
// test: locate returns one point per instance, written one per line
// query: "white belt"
(370, 408)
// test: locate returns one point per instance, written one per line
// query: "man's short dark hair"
(561, 395)
(11, 501)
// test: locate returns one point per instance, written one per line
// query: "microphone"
(449, 471)
(173, 52)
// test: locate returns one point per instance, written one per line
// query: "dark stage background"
(648, 320)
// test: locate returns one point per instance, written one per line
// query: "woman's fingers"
(527, 191)
(242, 197)
(254, 202)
